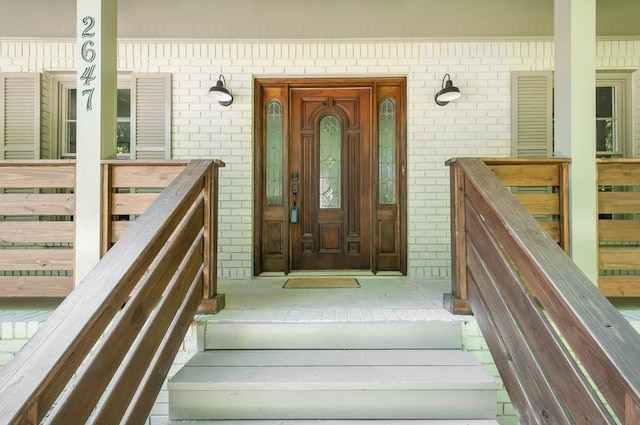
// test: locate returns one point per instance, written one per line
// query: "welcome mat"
(321, 282)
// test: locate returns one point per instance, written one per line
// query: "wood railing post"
(106, 207)
(212, 302)
(457, 301)
(563, 188)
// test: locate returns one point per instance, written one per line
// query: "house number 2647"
(88, 55)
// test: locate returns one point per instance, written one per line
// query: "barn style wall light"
(448, 92)
(220, 93)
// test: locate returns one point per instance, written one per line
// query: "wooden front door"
(330, 169)
(341, 145)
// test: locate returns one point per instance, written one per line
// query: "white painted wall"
(478, 124)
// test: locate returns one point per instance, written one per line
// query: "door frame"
(282, 86)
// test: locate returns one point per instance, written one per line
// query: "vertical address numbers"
(88, 55)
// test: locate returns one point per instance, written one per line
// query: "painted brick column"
(96, 57)
(575, 128)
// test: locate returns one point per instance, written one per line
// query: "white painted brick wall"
(477, 125)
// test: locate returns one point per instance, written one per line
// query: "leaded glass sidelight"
(274, 153)
(387, 151)
(330, 167)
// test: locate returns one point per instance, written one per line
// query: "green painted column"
(575, 128)
(96, 121)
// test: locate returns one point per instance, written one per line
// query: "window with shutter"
(143, 116)
(532, 114)
(151, 119)
(19, 115)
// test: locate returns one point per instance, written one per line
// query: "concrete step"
(430, 334)
(332, 384)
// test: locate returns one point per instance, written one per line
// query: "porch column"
(575, 129)
(96, 121)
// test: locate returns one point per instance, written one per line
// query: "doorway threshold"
(316, 273)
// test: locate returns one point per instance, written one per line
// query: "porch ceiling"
(304, 19)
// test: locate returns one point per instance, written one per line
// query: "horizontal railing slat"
(37, 174)
(619, 285)
(619, 172)
(552, 228)
(619, 203)
(37, 259)
(37, 232)
(531, 175)
(619, 231)
(37, 204)
(619, 258)
(131, 203)
(144, 175)
(119, 228)
(36, 286)
(539, 203)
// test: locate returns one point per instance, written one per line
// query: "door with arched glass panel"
(330, 175)
(330, 183)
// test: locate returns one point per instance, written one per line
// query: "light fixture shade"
(448, 93)
(220, 93)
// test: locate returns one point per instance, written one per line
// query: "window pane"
(123, 137)
(605, 136)
(387, 151)
(605, 96)
(124, 103)
(71, 137)
(71, 104)
(330, 167)
(274, 153)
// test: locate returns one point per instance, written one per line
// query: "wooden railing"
(130, 313)
(619, 227)
(542, 187)
(501, 258)
(128, 188)
(37, 233)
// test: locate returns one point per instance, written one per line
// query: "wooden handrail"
(530, 299)
(131, 312)
(128, 188)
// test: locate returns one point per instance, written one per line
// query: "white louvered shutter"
(19, 115)
(47, 151)
(151, 120)
(532, 114)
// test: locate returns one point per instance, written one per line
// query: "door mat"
(321, 282)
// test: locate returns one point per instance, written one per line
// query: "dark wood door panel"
(331, 236)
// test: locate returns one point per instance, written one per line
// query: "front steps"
(333, 373)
